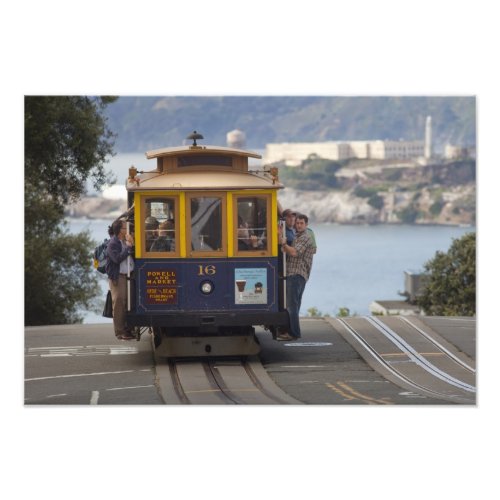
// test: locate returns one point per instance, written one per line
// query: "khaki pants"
(119, 296)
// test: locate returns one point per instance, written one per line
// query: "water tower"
(236, 139)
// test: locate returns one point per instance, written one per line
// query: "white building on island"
(294, 153)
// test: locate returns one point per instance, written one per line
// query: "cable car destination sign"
(161, 287)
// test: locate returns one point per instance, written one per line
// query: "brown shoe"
(126, 337)
(285, 336)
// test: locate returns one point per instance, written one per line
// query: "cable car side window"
(206, 220)
(202, 160)
(252, 224)
(160, 226)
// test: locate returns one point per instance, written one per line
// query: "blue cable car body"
(224, 276)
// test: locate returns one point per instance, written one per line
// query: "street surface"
(85, 364)
(324, 368)
(330, 365)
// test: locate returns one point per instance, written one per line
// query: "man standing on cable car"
(119, 264)
(299, 257)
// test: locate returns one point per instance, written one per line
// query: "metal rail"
(417, 357)
(401, 377)
(462, 363)
(219, 381)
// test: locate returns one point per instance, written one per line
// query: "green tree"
(376, 201)
(408, 215)
(67, 142)
(313, 174)
(314, 312)
(344, 312)
(451, 286)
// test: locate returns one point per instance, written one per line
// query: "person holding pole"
(286, 228)
(299, 257)
(289, 216)
(119, 267)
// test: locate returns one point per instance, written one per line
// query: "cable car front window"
(159, 225)
(252, 223)
(206, 224)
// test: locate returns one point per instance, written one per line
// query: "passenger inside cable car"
(151, 224)
(166, 237)
(252, 222)
(244, 241)
(159, 224)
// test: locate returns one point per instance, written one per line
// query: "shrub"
(451, 286)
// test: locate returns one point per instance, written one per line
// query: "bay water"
(354, 265)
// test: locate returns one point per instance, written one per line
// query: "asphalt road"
(323, 368)
(86, 365)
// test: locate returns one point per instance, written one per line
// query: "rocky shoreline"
(457, 206)
(344, 207)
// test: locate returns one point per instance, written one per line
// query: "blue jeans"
(295, 285)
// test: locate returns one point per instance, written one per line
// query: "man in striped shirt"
(299, 258)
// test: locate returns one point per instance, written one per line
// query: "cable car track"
(419, 358)
(237, 381)
(438, 345)
(405, 364)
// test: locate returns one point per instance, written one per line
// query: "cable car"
(207, 259)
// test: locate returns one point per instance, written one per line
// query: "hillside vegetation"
(144, 123)
(363, 192)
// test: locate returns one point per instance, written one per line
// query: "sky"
(270, 48)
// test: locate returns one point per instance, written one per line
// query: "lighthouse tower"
(428, 138)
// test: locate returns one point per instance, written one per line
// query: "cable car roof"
(174, 151)
(194, 167)
(213, 180)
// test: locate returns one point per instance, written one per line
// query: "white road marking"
(309, 344)
(410, 394)
(90, 350)
(132, 387)
(94, 398)
(77, 375)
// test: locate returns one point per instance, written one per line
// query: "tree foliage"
(312, 175)
(451, 286)
(66, 143)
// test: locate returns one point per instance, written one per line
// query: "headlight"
(207, 287)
